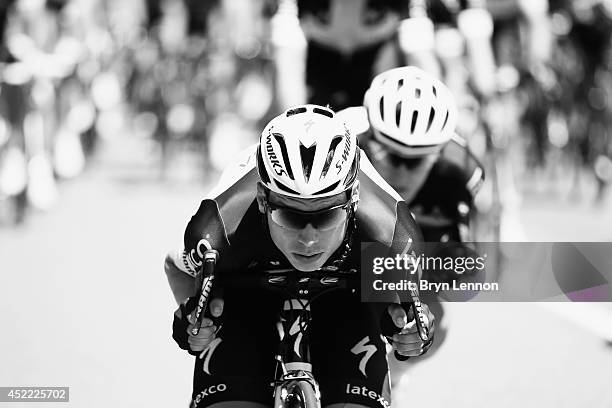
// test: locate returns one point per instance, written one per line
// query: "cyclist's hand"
(207, 331)
(184, 320)
(407, 342)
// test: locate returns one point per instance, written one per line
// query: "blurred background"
(116, 117)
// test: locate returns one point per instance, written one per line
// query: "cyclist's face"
(307, 244)
(406, 176)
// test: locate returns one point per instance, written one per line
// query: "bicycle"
(294, 383)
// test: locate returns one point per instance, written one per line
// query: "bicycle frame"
(294, 381)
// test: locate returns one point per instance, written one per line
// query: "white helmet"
(410, 111)
(307, 152)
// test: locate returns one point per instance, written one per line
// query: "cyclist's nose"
(308, 236)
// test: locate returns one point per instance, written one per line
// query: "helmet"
(307, 152)
(410, 111)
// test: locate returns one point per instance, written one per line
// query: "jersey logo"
(194, 260)
(368, 349)
(297, 327)
(208, 352)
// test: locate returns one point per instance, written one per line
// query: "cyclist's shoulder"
(225, 207)
(242, 167)
(457, 162)
(382, 215)
(226, 220)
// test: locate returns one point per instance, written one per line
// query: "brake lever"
(207, 277)
(420, 322)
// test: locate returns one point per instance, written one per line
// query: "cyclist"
(328, 51)
(409, 136)
(412, 143)
(303, 198)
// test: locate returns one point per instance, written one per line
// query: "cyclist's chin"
(308, 263)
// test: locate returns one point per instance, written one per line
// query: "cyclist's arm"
(290, 59)
(407, 239)
(474, 179)
(182, 283)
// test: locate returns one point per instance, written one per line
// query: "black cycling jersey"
(439, 11)
(240, 365)
(450, 185)
(339, 80)
(321, 8)
(453, 180)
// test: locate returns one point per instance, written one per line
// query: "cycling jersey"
(347, 46)
(240, 365)
(450, 186)
(336, 79)
(342, 55)
(454, 179)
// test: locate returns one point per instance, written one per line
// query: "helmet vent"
(417, 93)
(398, 113)
(307, 159)
(445, 120)
(432, 113)
(263, 174)
(400, 83)
(415, 117)
(381, 108)
(330, 155)
(328, 189)
(285, 188)
(435, 91)
(323, 112)
(281, 142)
(295, 111)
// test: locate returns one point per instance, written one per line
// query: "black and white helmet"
(410, 111)
(307, 152)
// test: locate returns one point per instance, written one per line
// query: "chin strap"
(339, 257)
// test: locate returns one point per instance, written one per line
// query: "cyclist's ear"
(261, 198)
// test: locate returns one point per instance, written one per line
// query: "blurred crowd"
(532, 78)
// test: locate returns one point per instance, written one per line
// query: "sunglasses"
(326, 219)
